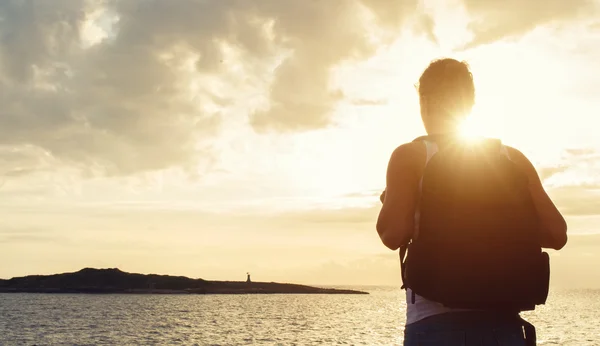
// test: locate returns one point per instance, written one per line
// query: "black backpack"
(478, 243)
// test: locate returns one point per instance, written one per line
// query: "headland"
(113, 280)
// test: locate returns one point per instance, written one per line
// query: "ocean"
(570, 317)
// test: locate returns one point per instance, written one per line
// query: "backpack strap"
(504, 151)
(431, 148)
(403, 271)
(402, 254)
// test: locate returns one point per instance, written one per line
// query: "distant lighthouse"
(248, 278)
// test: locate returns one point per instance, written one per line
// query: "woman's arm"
(553, 225)
(396, 219)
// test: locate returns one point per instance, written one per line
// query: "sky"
(214, 138)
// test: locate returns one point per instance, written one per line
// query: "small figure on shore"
(248, 278)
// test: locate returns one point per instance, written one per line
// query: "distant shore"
(115, 281)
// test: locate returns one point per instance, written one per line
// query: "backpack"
(478, 243)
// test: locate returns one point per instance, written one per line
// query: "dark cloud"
(301, 97)
(116, 106)
(123, 105)
(495, 20)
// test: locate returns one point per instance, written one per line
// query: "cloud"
(300, 95)
(369, 102)
(367, 270)
(30, 239)
(548, 172)
(572, 183)
(571, 266)
(594, 26)
(495, 20)
(578, 200)
(21, 161)
(29, 235)
(352, 217)
(572, 158)
(581, 152)
(115, 106)
(121, 87)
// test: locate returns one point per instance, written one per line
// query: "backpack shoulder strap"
(430, 146)
(502, 148)
(504, 151)
(432, 149)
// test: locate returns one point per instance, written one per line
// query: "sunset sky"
(212, 138)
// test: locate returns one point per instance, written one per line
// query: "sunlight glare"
(470, 128)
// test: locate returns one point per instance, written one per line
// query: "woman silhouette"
(447, 95)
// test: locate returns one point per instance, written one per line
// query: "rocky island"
(90, 280)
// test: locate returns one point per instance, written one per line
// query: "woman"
(447, 95)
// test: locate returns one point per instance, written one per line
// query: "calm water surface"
(569, 318)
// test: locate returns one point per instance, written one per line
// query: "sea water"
(571, 317)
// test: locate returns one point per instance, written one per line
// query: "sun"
(471, 128)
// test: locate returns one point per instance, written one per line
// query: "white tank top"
(422, 307)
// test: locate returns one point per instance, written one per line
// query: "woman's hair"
(446, 88)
